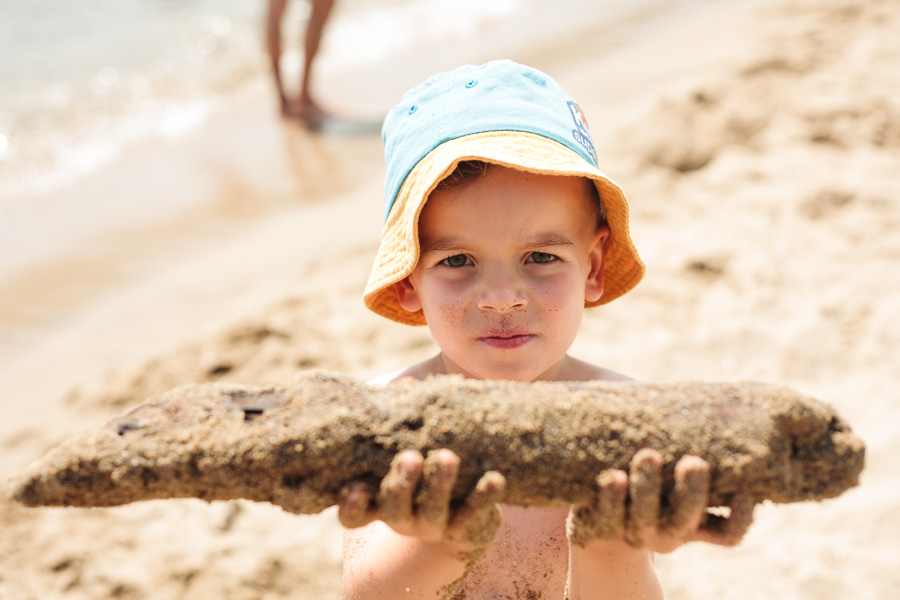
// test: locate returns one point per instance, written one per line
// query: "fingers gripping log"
(298, 445)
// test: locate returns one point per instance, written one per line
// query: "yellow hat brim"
(399, 250)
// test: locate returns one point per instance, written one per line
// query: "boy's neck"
(566, 369)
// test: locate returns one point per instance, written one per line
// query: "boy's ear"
(407, 296)
(593, 287)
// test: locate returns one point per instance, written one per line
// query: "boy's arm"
(611, 546)
(396, 554)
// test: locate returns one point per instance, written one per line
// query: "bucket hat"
(503, 113)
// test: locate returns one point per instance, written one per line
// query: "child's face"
(506, 265)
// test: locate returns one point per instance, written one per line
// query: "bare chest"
(528, 559)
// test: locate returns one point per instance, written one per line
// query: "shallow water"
(83, 78)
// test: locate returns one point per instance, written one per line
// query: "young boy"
(499, 231)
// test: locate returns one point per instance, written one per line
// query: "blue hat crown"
(497, 96)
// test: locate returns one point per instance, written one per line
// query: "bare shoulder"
(388, 378)
(417, 371)
(585, 371)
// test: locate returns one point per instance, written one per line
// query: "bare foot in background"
(308, 111)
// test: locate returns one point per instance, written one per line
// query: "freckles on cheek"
(448, 304)
(452, 313)
(555, 298)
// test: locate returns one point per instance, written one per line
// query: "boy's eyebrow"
(443, 245)
(551, 239)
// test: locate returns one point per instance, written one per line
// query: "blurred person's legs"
(304, 106)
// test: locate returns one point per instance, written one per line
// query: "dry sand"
(759, 143)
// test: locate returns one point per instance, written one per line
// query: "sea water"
(82, 79)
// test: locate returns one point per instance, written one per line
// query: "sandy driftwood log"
(297, 445)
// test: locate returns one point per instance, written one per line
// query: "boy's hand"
(414, 499)
(641, 524)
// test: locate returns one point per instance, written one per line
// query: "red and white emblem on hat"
(581, 133)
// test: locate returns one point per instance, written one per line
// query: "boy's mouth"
(507, 340)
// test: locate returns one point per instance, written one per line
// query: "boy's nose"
(502, 298)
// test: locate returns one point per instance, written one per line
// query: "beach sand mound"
(804, 88)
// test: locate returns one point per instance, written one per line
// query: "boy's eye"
(542, 257)
(458, 260)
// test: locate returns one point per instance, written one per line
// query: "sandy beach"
(759, 144)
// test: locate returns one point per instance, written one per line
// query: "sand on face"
(298, 445)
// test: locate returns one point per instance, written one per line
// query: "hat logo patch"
(581, 133)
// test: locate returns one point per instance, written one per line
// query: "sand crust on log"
(297, 445)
